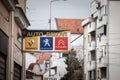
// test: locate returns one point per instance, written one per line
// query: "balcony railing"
(102, 20)
(91, 65)
(102, 61)
(93, 7)
(101, 41)
(91, 45)
(103, 2)
(104, 79)
(91, 27)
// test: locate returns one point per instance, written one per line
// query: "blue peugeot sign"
(46, 43)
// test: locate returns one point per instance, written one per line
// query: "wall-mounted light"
(6, 18)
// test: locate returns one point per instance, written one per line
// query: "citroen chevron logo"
(61, 42)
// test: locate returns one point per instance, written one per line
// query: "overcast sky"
(38, 11)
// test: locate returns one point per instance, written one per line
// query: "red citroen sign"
(61, 43)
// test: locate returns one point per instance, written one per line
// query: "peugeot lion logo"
(46, 41)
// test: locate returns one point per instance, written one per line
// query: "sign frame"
(45, 40)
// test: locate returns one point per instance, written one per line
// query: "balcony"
(91, 27)
(87, 21)
(102, 40)
(104, 79)
(102, 62)
(102, 20)
(91, 65)
(21, 18)
(91, 46)
(93, 7)
(10, 4)
(103, 2)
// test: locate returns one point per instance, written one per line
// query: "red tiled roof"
(74, 25)
(37, 54)
(42, 57)
(31, 66)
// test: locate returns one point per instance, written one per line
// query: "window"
(89, 57)
(102, 31)
(102, 10)
(29, 75)
(100, 59)
(3, 43)
(104, 50)
(19, 35)
(17, 71)
(93, 36)
(2, 67)
(89, 38)
(103, 72)
(65, 54)
(92, 75)
(98, 74)
(3, 54)
(93, 55)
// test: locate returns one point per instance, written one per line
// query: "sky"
(38, 11)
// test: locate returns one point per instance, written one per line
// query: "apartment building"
(12, 21)
(102, 41)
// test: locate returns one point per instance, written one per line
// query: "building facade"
(102, 41)
(12, 21)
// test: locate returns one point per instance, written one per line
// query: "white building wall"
(85, 41)
(112, 22)
(61, 66)
(29, 59)
(114, 40)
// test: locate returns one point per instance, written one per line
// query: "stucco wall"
(114, 40)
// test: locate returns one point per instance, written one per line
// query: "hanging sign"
(46, 40)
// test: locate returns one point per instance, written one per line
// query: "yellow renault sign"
(31, 43)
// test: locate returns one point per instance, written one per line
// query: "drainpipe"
(23, 77)
(23, 63)
(12, 44)
(96, 49)
(107, 45)
(84, 39)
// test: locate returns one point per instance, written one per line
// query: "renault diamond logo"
(31, 42)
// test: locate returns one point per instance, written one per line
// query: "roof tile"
(74, 25)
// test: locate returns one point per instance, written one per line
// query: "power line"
(113, 33)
